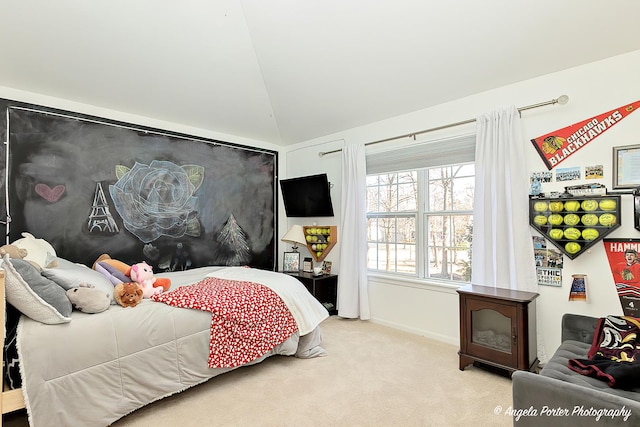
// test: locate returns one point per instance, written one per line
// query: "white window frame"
(415, 214)
(458, 150)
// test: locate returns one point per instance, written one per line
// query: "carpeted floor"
(373, 376)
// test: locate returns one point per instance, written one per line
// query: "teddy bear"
(39, 252)
(142, 274)
(88, 299)
(127, 294)
(13, 251)
(16, 252)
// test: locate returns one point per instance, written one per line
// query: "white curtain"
(502, 253)
(353, 293)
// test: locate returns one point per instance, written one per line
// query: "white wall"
(306, 161)
(593, 89)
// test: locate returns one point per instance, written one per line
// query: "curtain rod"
(562, 99)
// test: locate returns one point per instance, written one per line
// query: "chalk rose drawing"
(158, 199)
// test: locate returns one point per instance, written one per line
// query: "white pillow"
(70, 275)
(21, 296)
(37, 249)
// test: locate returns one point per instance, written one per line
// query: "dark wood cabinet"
(324, 288)
(498, 328)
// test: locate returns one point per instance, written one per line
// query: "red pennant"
(625, 269)
(557, 146)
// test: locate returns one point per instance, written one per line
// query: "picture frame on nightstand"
(326, 267)
(291, 262)
(307, 265)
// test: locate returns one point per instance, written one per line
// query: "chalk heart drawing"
(51, 195)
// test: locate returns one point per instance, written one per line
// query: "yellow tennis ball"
(556, 234)
(589, 205)
(590, 234)
(555, 219)
(607, 219)
(572, 233)
(540, 220)
(608, 204)
(571, 219)
(556, 206)
(572, 205)
(540, 206)
(572, 247)
(589, 219)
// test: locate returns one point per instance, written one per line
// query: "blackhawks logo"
(551, 144)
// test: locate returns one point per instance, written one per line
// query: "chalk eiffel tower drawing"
(100, 219)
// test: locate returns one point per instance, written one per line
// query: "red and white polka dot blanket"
(248, 319)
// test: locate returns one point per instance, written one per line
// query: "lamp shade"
(294, 236)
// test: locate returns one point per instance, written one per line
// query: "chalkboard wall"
(90, 186)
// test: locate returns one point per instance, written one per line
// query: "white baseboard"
(428, 334)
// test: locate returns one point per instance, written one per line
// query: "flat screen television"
(307, 196)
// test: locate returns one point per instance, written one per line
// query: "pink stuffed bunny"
(142, 274)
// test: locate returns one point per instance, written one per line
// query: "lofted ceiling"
(286, 71)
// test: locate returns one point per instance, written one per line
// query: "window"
(392, 206)
(420, 222)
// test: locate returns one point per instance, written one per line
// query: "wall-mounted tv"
(307, 196)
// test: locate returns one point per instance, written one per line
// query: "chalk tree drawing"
(234, 245)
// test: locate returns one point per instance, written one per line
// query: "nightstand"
(324, 288)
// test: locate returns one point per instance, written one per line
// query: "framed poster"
(626, 167)
(636, 212)
(624, 262)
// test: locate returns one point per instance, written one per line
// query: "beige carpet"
(373, 376)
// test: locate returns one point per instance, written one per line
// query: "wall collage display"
(586, 214)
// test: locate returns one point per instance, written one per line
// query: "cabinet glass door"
(491, 331)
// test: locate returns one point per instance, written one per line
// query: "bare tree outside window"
(395, 214)
(392, 206)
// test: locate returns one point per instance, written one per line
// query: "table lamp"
(294, 236)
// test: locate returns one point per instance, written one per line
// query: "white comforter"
(100, 367)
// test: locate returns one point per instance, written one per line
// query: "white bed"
(99, 367)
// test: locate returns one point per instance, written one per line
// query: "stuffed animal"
(114, 263)
(88, 299)
(112, 273)
(13, 251)
(142, 274)
(39, 251)
(119, 272)
(127, 294)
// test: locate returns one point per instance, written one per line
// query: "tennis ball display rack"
(320, 240)
(563, 221)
